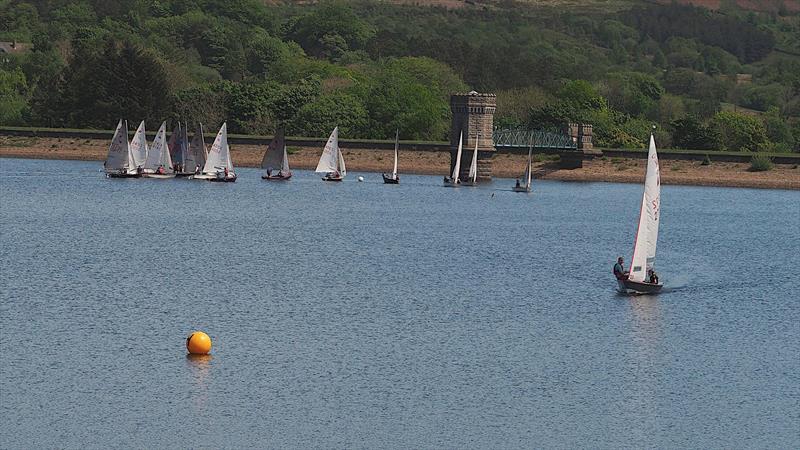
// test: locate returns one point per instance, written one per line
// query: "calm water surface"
(364, 315)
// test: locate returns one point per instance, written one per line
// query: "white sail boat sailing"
(139, 149)
(527, 176)
(276, 156)
(196, 154)
(331, 163)
(158, 163)
(472, 177)
(453, 181)
(642, 278)
(218, 166)
(119, 162)
(393, 178)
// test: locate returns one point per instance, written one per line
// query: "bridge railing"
(541, 139)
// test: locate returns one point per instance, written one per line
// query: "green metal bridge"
(542, 141)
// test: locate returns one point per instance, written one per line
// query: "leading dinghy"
(219, 166)
(642, 278)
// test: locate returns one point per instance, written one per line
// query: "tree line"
(372, 68)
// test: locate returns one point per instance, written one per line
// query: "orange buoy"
(198, 343)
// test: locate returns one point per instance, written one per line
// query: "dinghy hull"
(521, 189)
(638, 288)
(326, 178)
(387, 179)
(159, 176)
(276, 177)
(122, 175)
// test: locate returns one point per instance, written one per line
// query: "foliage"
(739, 132)
(690, 133)
(760, 163)
(392, 65)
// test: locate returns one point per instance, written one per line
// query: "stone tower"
(473, 113)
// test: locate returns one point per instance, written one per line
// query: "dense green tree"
(319, 117)
(739, 132)
(13, 90)
(690, 133)
(330, 30)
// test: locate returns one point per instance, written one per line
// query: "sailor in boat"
(652, 276)
(518, 183)
(619, 270)
(197, 169)
(450, 180)
(160, 170)
(269, 171)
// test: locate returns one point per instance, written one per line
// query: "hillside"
(373, 67)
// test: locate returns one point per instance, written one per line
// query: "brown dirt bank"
(437, 163)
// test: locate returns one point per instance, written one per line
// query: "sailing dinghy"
(139, 148)
(218, 166)
(393, 178)
(331, 163)
(276, 156)
(453, 181)
(179, 151)
(644, 249)
(472, 176)
(158, 163)
(196, 154)
(527, 176)
(119, 162)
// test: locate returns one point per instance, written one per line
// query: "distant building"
(15, 47)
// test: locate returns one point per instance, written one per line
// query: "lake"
(363, 315)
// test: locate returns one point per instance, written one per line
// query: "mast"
(457, 168)
(530, 169)
(644, 248)
(396, 143)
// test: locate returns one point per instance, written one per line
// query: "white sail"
(197, 153)
(119, 151)
(285, 163)
(457, 168)
(473, 166)
(396, 143)
(219, 157)
(139, 147)
(644, 250)
(342, 168)
(528, 170)
(329, 161)
(158, 154)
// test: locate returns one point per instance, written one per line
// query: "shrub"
(706, 161)
(760, 163)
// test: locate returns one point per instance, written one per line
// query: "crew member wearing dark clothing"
(619, 270)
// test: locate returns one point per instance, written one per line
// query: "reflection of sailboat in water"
(642, 380)
(639, 280)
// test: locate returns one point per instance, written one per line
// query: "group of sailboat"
(454, 180)
(169, 159)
